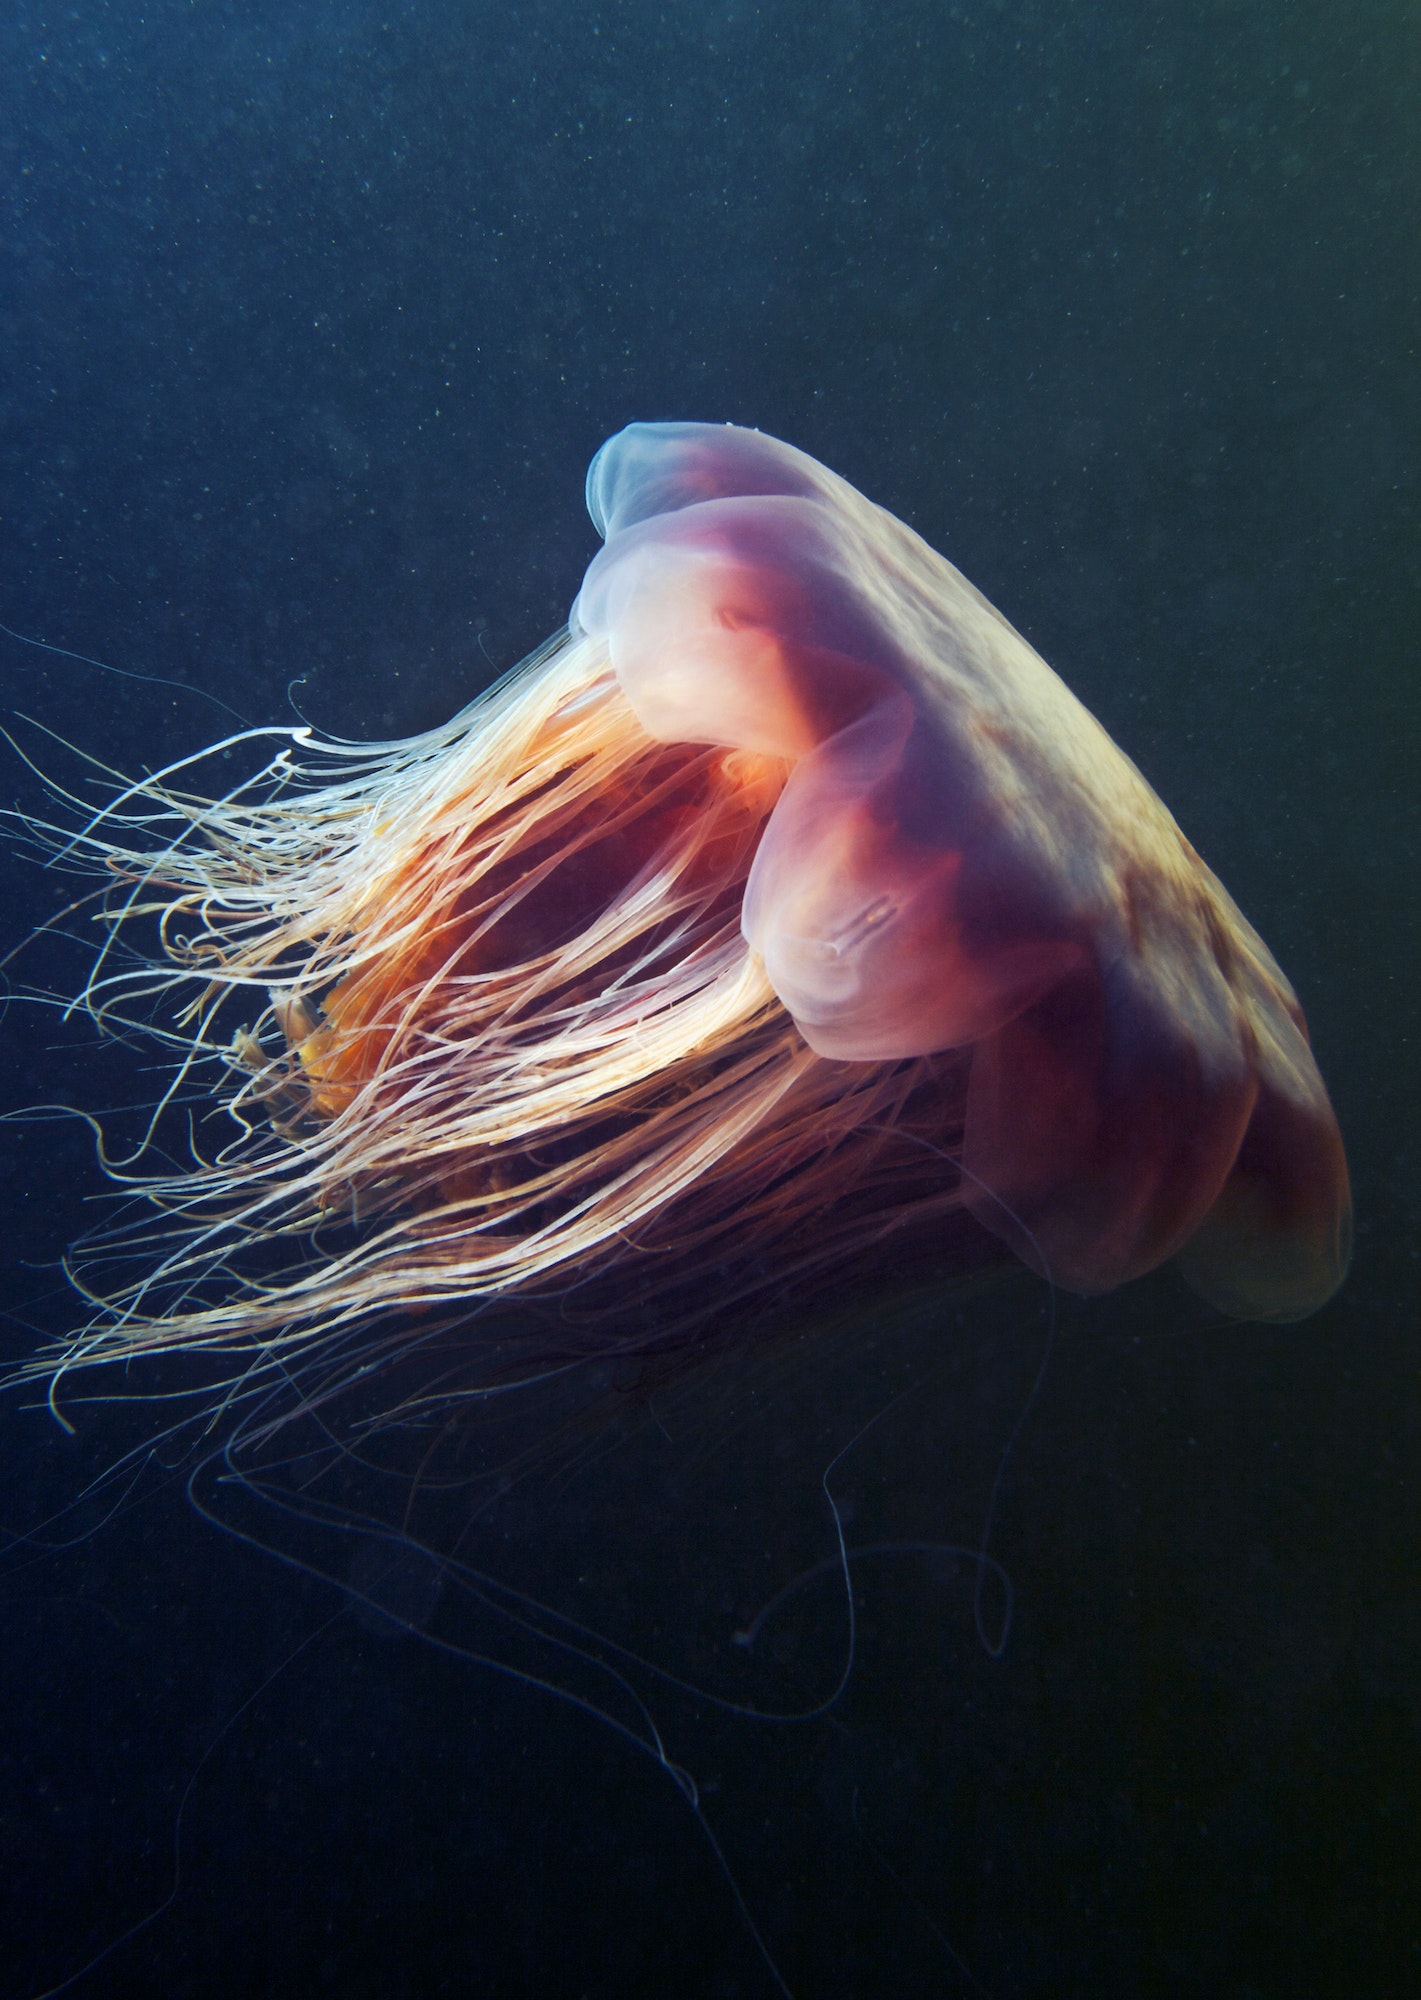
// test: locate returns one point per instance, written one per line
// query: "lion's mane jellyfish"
(782, 915)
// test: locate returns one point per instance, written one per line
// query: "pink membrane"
(961, 858)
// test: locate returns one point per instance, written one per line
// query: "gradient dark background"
(311, 316)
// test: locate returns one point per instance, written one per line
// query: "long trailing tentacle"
(510, 1042)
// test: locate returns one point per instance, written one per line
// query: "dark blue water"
(310, 319)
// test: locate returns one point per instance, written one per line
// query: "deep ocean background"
(311, 316)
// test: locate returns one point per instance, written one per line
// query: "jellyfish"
(778, 918)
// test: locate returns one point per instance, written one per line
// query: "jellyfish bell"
(962, 859)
